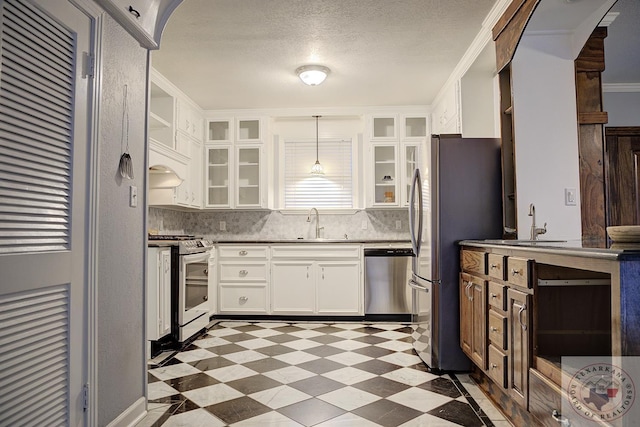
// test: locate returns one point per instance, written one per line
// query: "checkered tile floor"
(309, 374)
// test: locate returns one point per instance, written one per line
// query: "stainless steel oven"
(193, 294)
(190, 305)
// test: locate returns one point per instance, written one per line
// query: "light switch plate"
(133, 196)
(223, 226)
(570, 195)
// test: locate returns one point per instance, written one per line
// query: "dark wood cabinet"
(473, 318)
(519, 338)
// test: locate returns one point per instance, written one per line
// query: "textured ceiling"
(234, 54)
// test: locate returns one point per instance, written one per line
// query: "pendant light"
(317, 168)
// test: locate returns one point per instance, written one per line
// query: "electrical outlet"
(223, 226)
(364, 224)
(133, 196)
(398, 225)
(570, 195)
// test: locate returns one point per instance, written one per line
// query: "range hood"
(161, 176)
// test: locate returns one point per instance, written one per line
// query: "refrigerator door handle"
(416, 235)
(413, 284)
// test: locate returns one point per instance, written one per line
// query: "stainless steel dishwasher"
(386, 273)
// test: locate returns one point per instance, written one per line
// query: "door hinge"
(88, 65)
(85, 397)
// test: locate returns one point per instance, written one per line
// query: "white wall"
(546, 134)
(121, 251)
(623, 108)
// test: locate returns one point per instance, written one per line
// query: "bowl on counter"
(624, 233)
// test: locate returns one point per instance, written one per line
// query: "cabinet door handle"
(557, 416)
(469, 291)
(522, 309)
(322, 273)
(206, 271)
(134, 12)
(242, 253)
(205, 298)
(307, 272)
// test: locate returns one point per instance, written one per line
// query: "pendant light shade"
(312, 75)
(317, 168)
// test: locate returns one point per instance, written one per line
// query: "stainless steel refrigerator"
(455, 195)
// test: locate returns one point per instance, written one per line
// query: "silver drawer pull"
(493, 329)
(243, 273)
(243, 299)
(494, 296)
(515, 272)
(243, 253)
(205, 298)
(494, 366)
(564, 421)
(522, 309)
(206, 271)
(494, 266)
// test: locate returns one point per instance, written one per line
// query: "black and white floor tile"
(310, 374)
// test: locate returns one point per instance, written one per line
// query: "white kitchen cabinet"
(395, 148)
(384, 177)
(294, 287)
(446, 112)
(337, 290)
(218, 176)
(162, 106)
(317, 280)
(212, 276)
(189, 193)
(189, 120)
(243, 279)
(248, 130)
(220, 130)
(143, 19)
(249, 177)
(158, 293)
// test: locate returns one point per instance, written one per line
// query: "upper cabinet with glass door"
(384, 128)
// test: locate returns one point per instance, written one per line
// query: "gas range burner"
(171, 237)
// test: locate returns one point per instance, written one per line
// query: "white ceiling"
(236, 54)
(241, 54)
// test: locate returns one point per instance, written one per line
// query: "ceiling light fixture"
(317, 168)
(312, 75)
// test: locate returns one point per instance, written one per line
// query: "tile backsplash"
(380, 224)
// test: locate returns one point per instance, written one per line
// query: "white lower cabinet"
(313, 280)
(338, 287)
(158, 293)
(243, 279)
(293, 287)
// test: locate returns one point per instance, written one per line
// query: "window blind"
(334, 189)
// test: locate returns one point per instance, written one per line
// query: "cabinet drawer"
(473, 261)
(497, 294)
(498, 329)
(546, 402)
(234, 298)
(243, 252)
(519, 271)
(497, 366)
(314, 251)
(496, 266)
(243, 271)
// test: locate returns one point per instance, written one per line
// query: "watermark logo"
(601, 391)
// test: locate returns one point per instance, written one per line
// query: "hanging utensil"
(126, 164)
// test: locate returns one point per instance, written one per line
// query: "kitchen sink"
(523, 242)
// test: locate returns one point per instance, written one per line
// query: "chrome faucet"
(318, 228)
(535, 231)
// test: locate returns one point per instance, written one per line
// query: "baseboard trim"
(132, 415)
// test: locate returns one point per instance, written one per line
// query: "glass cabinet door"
(385, 174)
(218, 176)
(248, 176)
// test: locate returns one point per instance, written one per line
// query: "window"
(332, 190)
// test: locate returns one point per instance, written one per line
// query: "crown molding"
(608, 19)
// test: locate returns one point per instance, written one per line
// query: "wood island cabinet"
(543, 303)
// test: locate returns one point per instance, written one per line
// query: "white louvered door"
(43, 186)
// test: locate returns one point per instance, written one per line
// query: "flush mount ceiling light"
(312, 75)
(317, 168)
